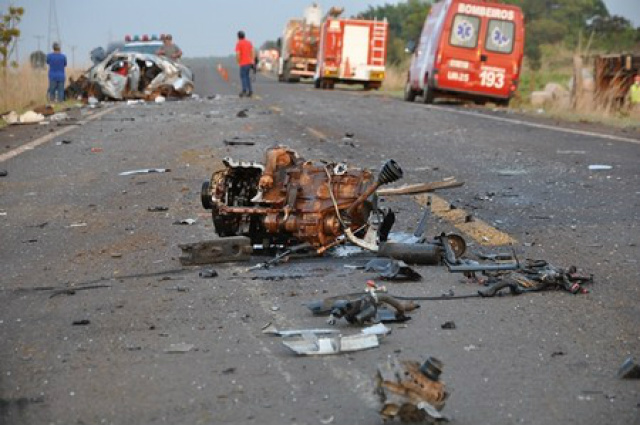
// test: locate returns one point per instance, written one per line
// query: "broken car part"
(629, 369)
(288, 200)
(237, 248)
(410, 391)
(144, 171)
(390, 269)
(310, 344)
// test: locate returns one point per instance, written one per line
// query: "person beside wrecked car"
(57, 62)
(244, 56)
(168, 49)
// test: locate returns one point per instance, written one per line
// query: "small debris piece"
(160, 99)
(470, 348)
(4, 173)
(116, 255)
(242, 113)
(448, 325)
(238, 143)
(509, 172)
(275, 308)
(30, 117)
(234, 248)
(270, 329)
(78, 225)
(377, 329)
(208, 273)
(391, 269)
(229, 371)
(158, 208)
(96, 150)
(179, 348)
(144, 171)
(186, 221)
(414, 189)
(600, 167)
(83, 322)
(310, 344)
(629, 369)
(410, 391)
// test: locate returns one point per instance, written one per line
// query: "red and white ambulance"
(352, 51)
(468, 49)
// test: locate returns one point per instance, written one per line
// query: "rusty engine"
(288, 200)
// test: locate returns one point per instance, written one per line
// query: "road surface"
(68, 219)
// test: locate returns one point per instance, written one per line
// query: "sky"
(199, 27)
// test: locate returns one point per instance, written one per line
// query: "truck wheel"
(409, 93)
(428, 95)
(286, 73)
(317, 83)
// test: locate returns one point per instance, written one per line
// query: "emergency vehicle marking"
(334, 26)
(489, 12)
(499, 38)
(491, 79)
(458, 76)
(464, 31)
(455, 63)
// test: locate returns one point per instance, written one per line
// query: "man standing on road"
(244, 56)
(634, 94)
(168, 49)
(57, 63)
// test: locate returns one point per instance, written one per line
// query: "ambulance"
(468, 49)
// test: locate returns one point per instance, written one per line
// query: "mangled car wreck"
(132, 75)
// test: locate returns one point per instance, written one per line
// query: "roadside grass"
(24, 88)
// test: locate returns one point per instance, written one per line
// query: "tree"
(9, 33)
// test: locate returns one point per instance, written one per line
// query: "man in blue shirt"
(57, 63)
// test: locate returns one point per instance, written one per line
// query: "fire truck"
(468, 49)
(299, 46)
(352, 51)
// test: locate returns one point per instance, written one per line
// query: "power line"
(54, 28)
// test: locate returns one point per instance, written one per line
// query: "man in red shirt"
(244, 56)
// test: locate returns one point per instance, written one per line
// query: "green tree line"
(546, 22)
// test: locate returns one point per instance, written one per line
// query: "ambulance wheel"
(409, 93)
(428, 95)
(504, 103)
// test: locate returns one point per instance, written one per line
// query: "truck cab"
(468, 49)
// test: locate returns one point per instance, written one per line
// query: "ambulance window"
(499, 36)
(464, 31)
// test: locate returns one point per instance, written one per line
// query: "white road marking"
(535, 125)
(44, 139)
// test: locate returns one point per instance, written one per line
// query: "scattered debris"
(4, 173)
(144, 171)
(391, 269)
(470, 347)
(29, 117)
(510, 172)
(185, 221)
(96, 150)
(208, 273)
(78, 225)
(160, 99)
(236, 248)
(238, 143)
(82, 322)
(414, 189)
(179, 348)
(63, 142)
(411, 391)
(629, 369)
(242, 113)
(448, 325)
(158, 208)
(72, 291)
(60, 116)
(270, 329)
(600, 167)
(310, 344)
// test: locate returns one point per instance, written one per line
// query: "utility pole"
(54, 28)
(39, 38)
(73, 56)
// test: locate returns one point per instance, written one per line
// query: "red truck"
(352, 51)
(299, 46)
(468, 49)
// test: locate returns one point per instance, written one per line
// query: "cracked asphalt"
(69, 220)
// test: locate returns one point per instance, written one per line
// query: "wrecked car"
(289, 200)
(133, 75)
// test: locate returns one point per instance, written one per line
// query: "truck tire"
(428, 95)
(409, 93)
(286, 73)
(317, 83)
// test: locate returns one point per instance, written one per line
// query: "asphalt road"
(68, 219)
